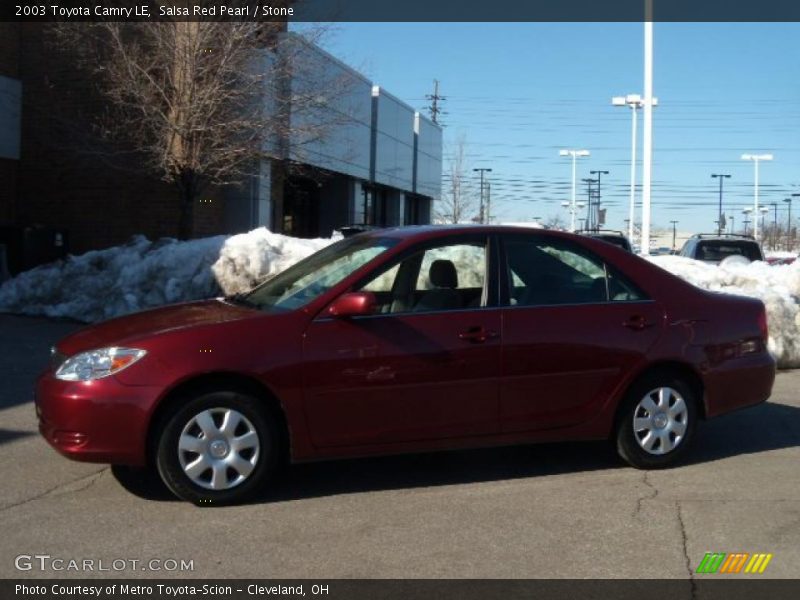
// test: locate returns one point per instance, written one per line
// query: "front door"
(426, 366)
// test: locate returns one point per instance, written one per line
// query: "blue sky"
(521, 91)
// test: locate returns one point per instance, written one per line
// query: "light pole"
(482, 170)
(720, 176)
(763, 210)
(596, 212)
(746, 212)
(733, 223)
(635, 102)
(674, 233)
(756, 158)
(575, 154)
(647, 142)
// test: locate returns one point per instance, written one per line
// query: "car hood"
(115, 332)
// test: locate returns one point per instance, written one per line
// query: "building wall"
(9, 49)
(9, 70)
(60, 183)
(394, 142)
(333, 132)
(429, 159)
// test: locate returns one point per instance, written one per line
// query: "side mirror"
(354, 304)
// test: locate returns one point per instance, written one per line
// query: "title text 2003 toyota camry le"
(408, 339)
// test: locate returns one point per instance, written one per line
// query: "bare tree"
(457, 202)
(556, 222)
(200, 103)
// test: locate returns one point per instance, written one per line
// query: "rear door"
(572, 329)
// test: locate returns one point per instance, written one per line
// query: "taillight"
(763, 327)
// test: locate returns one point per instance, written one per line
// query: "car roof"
(423, 231)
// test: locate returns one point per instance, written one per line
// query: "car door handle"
(477, 335)
(637, 323)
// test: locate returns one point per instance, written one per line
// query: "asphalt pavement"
(548, 511)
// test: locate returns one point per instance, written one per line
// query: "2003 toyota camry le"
(408, 340)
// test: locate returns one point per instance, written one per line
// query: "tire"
(658, 437)
(217, 448)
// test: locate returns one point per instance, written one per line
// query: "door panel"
(394, 378)
(560, 363)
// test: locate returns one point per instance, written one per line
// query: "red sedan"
(408, 340)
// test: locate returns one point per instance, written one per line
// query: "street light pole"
(647, 143)
(481, 215)
(674, 233)
(575, 154)
(746, 212)
(756, 158)
(720, 176)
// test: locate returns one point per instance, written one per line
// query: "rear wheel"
(217, 448)
(657, 421)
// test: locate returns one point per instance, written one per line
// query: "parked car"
(408, 340)
(781, 260)
(714, 248)
(612, 237)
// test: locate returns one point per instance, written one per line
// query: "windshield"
(310, 278)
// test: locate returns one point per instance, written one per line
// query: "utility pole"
(488, 202)
(720, 176)
(674, 233)
(597, 204)
(589, 200)
(435, 99)
(789, 237)
(482, 214)
(774, 236)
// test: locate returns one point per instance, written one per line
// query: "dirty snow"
(143, 274)
(777, 286)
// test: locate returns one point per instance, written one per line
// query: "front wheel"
(217, 448)
(657, 422)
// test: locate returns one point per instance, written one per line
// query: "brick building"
(45, 102)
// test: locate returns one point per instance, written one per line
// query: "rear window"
(720, 250)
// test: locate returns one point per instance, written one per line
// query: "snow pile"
(247, 259)
(778, 287)
(143, 274)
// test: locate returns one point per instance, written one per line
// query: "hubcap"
(660, 421)
(218, 448)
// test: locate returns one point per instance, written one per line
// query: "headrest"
(443, 274)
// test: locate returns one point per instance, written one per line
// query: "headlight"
(97, 364)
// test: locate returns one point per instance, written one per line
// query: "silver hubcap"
(218, 448)
(660, 420)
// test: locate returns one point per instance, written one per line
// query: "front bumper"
(95, 421)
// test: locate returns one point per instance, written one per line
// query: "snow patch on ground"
(142, 274)
(778, 287)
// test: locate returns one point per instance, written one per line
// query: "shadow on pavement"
(9, 435)
(760, 429)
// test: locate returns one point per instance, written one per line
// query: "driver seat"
(444, 296)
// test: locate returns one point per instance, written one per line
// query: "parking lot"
(570, 510)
